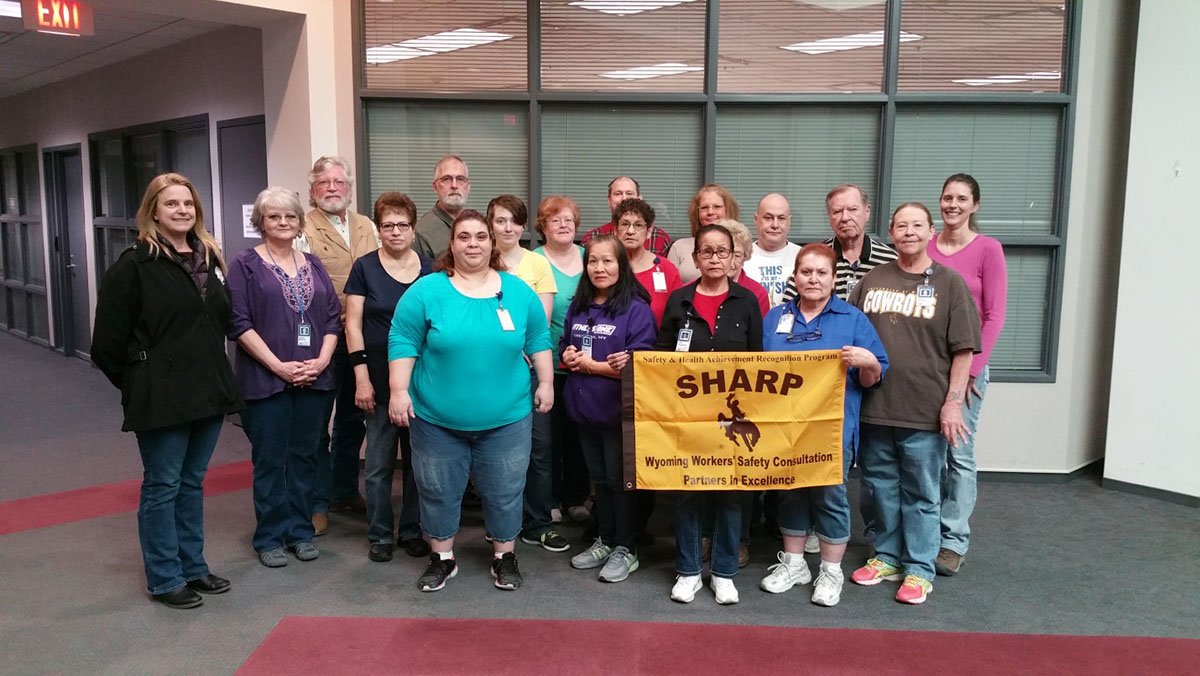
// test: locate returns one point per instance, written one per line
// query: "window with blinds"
(1012, 153)
(785, 46)
(623, 45)
(993, 46)
(798, 151)
(407, 139)
(445, 46)
(586, 147)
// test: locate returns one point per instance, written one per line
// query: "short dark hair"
(397, 202)
(637, 186)
(513, 204)
(711, 227)
(634, 205)
(623, 291)
(816, 249)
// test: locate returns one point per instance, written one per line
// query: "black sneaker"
(505, 570)
(437, 573)
(551, 541)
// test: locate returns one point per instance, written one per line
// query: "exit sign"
(61, 17)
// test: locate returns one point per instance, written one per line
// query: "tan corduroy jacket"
(328, 245)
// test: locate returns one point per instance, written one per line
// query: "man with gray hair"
(336, 235)
(849, 210)
(452, 183)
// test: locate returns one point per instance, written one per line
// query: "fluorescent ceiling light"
(623, 7)
(438, 43)
(840, 5)
(10, 8)
(1008, 79)
(846, 42)
(657, 70)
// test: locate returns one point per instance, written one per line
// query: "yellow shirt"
(535, 271)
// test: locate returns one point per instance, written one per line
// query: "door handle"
(70, 265)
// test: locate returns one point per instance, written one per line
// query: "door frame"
(62, 308)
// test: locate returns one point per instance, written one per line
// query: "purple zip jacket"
(595, 400)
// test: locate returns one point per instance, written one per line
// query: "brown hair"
(731, 205)
(551, 206)
(918, 205)
(446, 262)
(816, 249)
(973, 185)
(513, 204)
(148, 227)
(395, 202)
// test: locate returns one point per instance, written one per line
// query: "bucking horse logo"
(737, 424)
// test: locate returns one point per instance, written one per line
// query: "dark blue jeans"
(284, 430)
(337, 469)
(615, 508)
(570, 473)
(171, 509)
(539, 478)
(726, 507)
(382, 440)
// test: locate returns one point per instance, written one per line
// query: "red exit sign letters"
(61, 17)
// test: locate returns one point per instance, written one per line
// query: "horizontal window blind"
(1011, 152)
(406, 139)
(800, 152)
(1021, 346)
(584, 148)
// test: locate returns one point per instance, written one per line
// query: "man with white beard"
(337, 236)
(452, 183)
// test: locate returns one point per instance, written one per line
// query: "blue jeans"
(904, 468)
(383, 438)
(497, 458)
(824, 510)
(615, 508)
(959, 478)
(539, 478)
(726, 507)
(284, 430)
(337, 468)
(171, 509)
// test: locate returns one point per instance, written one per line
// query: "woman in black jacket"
(160, 337)
(710, 315)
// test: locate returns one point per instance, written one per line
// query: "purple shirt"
(266, 300)
(592, 399)
(981, 264)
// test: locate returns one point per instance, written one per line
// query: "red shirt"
(760, 293)
(706, 307)
(658, 300)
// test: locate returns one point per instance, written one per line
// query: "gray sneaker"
(305, 551)
(592, 557)
(273, 558)
(619, 565)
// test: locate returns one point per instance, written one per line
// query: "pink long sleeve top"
(981, 264)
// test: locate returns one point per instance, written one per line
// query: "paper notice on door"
(248, 230)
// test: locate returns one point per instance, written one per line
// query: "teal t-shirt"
(470, 373)
(562, 300)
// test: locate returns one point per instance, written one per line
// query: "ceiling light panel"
(438, 43)
(847, 42)
(626, 7)
(646, 72)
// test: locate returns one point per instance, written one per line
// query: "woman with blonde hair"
(710, 204)
(161, 319)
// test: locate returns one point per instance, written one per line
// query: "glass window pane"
(114, 244)
(31, 195)
(4, 308)
(800, 152)
(1011, 152)
(18, 321)
(33, 257)
(584, 148)
(784, 46)
(14, 269)
(40, 320)
(1020, 346)
(599, 45)
(189, 156)
(973, 46)
(8, 182)
(111, 178)
(441, 46)
(144, 162)
(405, 141)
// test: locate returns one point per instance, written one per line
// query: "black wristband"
(358, 357)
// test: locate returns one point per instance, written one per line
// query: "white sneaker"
(726, 593)
(789, 572)
(556, 515)
(686, 587)
(827, 590)
(812, 544)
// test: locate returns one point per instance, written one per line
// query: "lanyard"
(294, 285)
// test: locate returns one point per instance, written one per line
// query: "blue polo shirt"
(840, 324)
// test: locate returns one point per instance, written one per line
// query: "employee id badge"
(683, 340)
(304, 334)
(505, 320)
(785, 323)
(924, 295)
(587, 346)
(660, 281)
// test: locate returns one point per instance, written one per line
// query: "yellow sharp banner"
(697, 421)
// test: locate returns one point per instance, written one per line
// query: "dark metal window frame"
(8, 283)
(890, 100)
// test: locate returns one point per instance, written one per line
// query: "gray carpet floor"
(1045, 558)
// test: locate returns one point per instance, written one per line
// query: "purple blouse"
(266, 300)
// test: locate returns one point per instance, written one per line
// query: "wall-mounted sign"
(61, 17)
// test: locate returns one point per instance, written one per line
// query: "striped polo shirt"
(848, 274)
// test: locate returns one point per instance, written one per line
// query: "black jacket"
(739, 322)
(161, 343)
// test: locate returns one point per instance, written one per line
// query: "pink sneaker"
(876, 571)
(914, 590)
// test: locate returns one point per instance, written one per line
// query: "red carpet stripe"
(88, 503)
(359, 645)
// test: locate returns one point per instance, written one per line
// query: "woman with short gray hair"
(286, 318)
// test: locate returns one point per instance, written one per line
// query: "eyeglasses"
(631, 226)
(805, 337)
(337, 182)
(447, 180)
(709, 253)
(403, 226)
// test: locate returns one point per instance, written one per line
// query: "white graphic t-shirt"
(772, 269)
